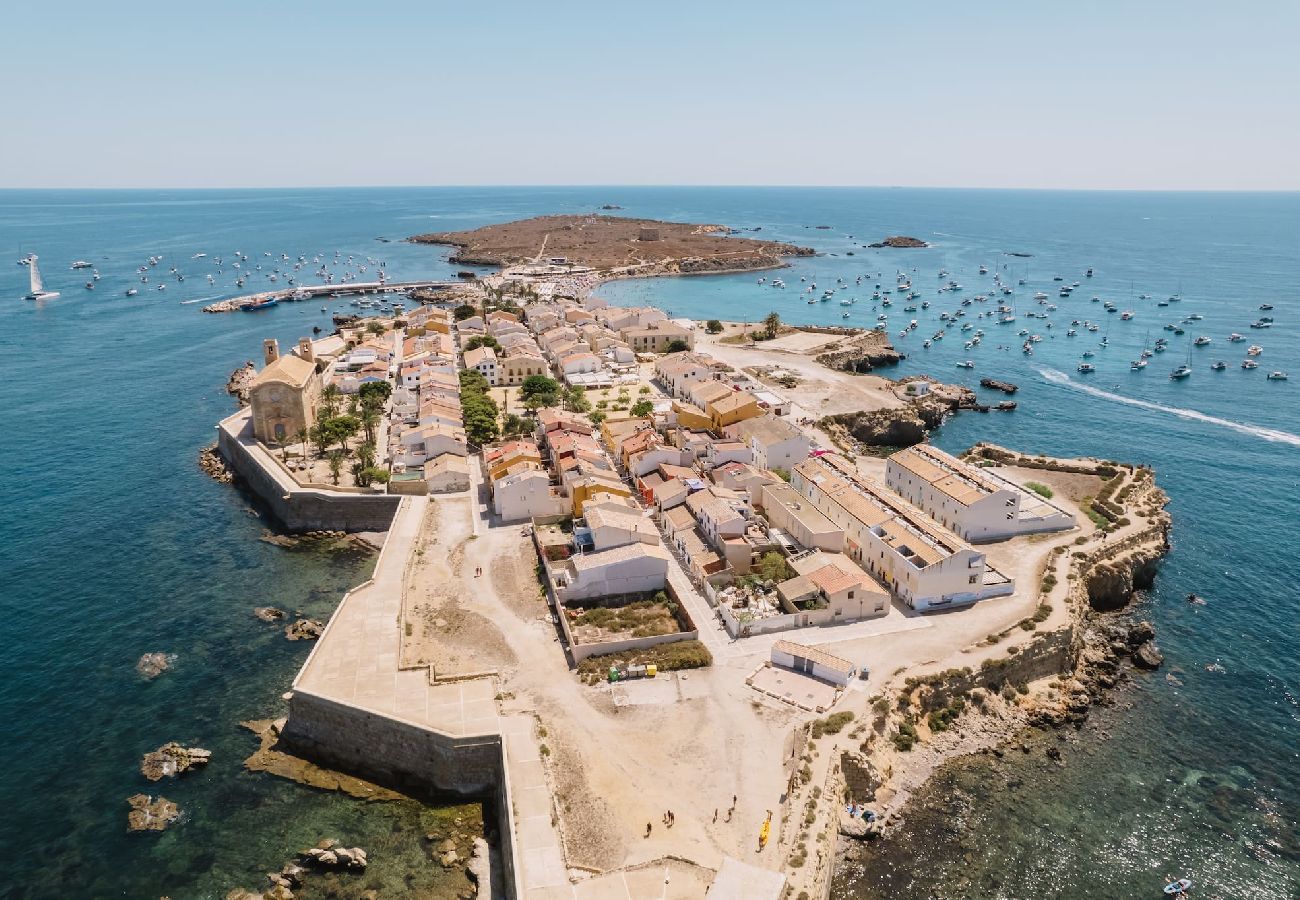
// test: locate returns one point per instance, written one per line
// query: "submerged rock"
(304, 630)
(268, 613)
(172, 759)
(151, 665)
(150, 814)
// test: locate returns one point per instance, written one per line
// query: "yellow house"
(735, 407)
(503, 457)
(588, 486)
(614, 431)
(691, 416)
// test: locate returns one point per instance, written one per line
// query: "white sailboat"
(38, 291)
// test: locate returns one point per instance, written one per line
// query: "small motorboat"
(1277, 376)
(131, 292)
(1179, 887)
(1087, 368)
(966, 364)
(1218, 366)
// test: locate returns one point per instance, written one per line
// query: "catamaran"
(38, 291)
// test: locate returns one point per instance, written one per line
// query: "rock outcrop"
(151, 814)
(1111, 584)
(900, 241)
(860, 354)
(151, 665)
(328, 854)
(172, 759)
(239, 382)
(268, 613)
(304, 630)
(214, 466)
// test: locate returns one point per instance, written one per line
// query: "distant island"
(613, 244)
(901, 242)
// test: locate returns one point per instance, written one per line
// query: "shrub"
(713, 326)
(1041, 490)
(905, 738)
(1042, 613)
(832, 724)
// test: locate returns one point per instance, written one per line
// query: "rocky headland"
(860, 353)
(902, 426)
(1052, 681)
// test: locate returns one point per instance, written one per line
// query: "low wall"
(299, 508)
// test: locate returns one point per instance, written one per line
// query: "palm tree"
(370, 419)
(336, 465)
(330, 398)
(301, 436)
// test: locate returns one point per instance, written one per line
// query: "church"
(285, 395)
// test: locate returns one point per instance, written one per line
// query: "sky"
(1143, 94)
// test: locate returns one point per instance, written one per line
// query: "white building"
(775, 443)
(966, 500)
(484, 361)
(630, 569)
(926, 565)
(527, 494)
(814, 662)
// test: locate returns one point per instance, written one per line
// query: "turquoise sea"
(114, 544)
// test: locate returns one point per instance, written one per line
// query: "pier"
(328, 290)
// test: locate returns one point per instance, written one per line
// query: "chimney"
(306, 349)
(270, 350)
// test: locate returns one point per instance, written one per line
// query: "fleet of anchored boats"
(276, 271)
(997, 306)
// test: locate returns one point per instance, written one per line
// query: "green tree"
(575, 399)
(375, 393)
(331, 399)
(642, 409)
(336, 465)
(463, 312)
(772, 567)
(596, 417)
(375, 328)
(370, 419)
(772, 324)
(645, 389)
(482, 340)
(713, 326)
(677, 345)
(301, 436)
(538, 391)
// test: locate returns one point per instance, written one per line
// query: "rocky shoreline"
(1050, 683)
(900, 427)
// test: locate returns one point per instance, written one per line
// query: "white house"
(630, 569)
(775, 443)
(447, 474)
(527, 494)
(964, 498)
(484, 361)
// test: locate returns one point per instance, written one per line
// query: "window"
(972, 579)
(850, 595)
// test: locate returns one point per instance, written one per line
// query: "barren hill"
(613, 242)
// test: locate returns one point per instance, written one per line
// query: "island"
(663, 591)
(615, 245)
(899, 242)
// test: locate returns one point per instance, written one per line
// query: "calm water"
(114, 544)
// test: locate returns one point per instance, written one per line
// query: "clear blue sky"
(1051, 93)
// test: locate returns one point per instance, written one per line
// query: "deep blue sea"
(114, 544)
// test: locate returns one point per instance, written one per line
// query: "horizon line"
(615, 186)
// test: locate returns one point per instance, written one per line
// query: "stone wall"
(301, 509)
(401, 754)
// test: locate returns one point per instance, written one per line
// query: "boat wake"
(198, 300)
(1268, 434)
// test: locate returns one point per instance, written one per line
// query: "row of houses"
(519, 355)
(430, 450)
